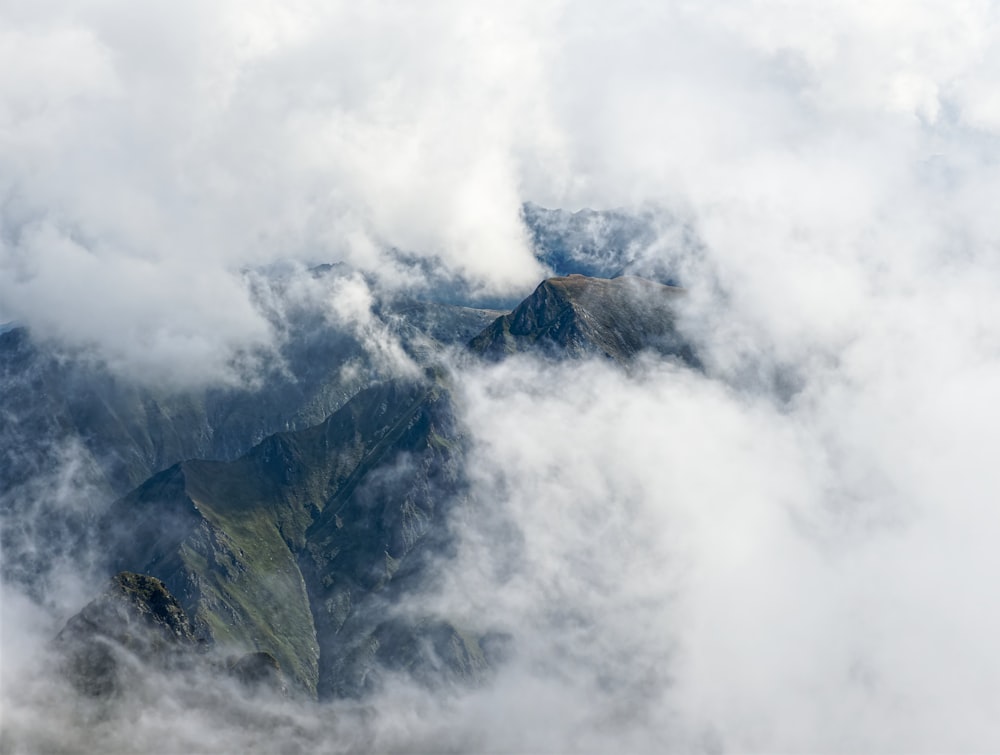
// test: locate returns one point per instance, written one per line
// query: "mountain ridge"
(302, 548)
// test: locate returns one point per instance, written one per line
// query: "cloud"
(686, 564)
(181, 146)
(790, 553)
(164, 150)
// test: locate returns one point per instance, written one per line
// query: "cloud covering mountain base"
(788, 549)
(679, 564)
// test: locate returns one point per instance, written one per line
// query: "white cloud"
(206, 139)
(703, 564)
(684, 565)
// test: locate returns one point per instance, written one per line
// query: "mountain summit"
(579, 316)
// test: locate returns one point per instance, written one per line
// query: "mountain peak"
(577, 316)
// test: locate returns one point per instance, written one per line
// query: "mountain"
(131, 430)
(297, 548)
(579, 316)
(610, 243)
(104, 434)
(309, 551)
(137, 625)
(134, 619)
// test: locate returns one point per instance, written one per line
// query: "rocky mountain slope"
(579, 316)
(307, 548)
(290, 549)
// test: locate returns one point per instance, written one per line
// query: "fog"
(711, 570)
(790, 550)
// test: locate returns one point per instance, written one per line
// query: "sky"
(791, 551)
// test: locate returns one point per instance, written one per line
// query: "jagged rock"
(297, 548)
(302, 551)
(136, 620)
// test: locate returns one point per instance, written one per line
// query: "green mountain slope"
(288, 549)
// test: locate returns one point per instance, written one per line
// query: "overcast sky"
(772, 574)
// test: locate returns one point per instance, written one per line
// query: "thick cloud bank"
(793, 551)
(688, 566)
(150, 155)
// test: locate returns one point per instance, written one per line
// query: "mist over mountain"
(610, 244)
(542, 377)
(302, 547)
(69, 413)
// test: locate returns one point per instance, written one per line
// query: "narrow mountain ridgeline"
(294, 548)
(308, 552)
(579, 316)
